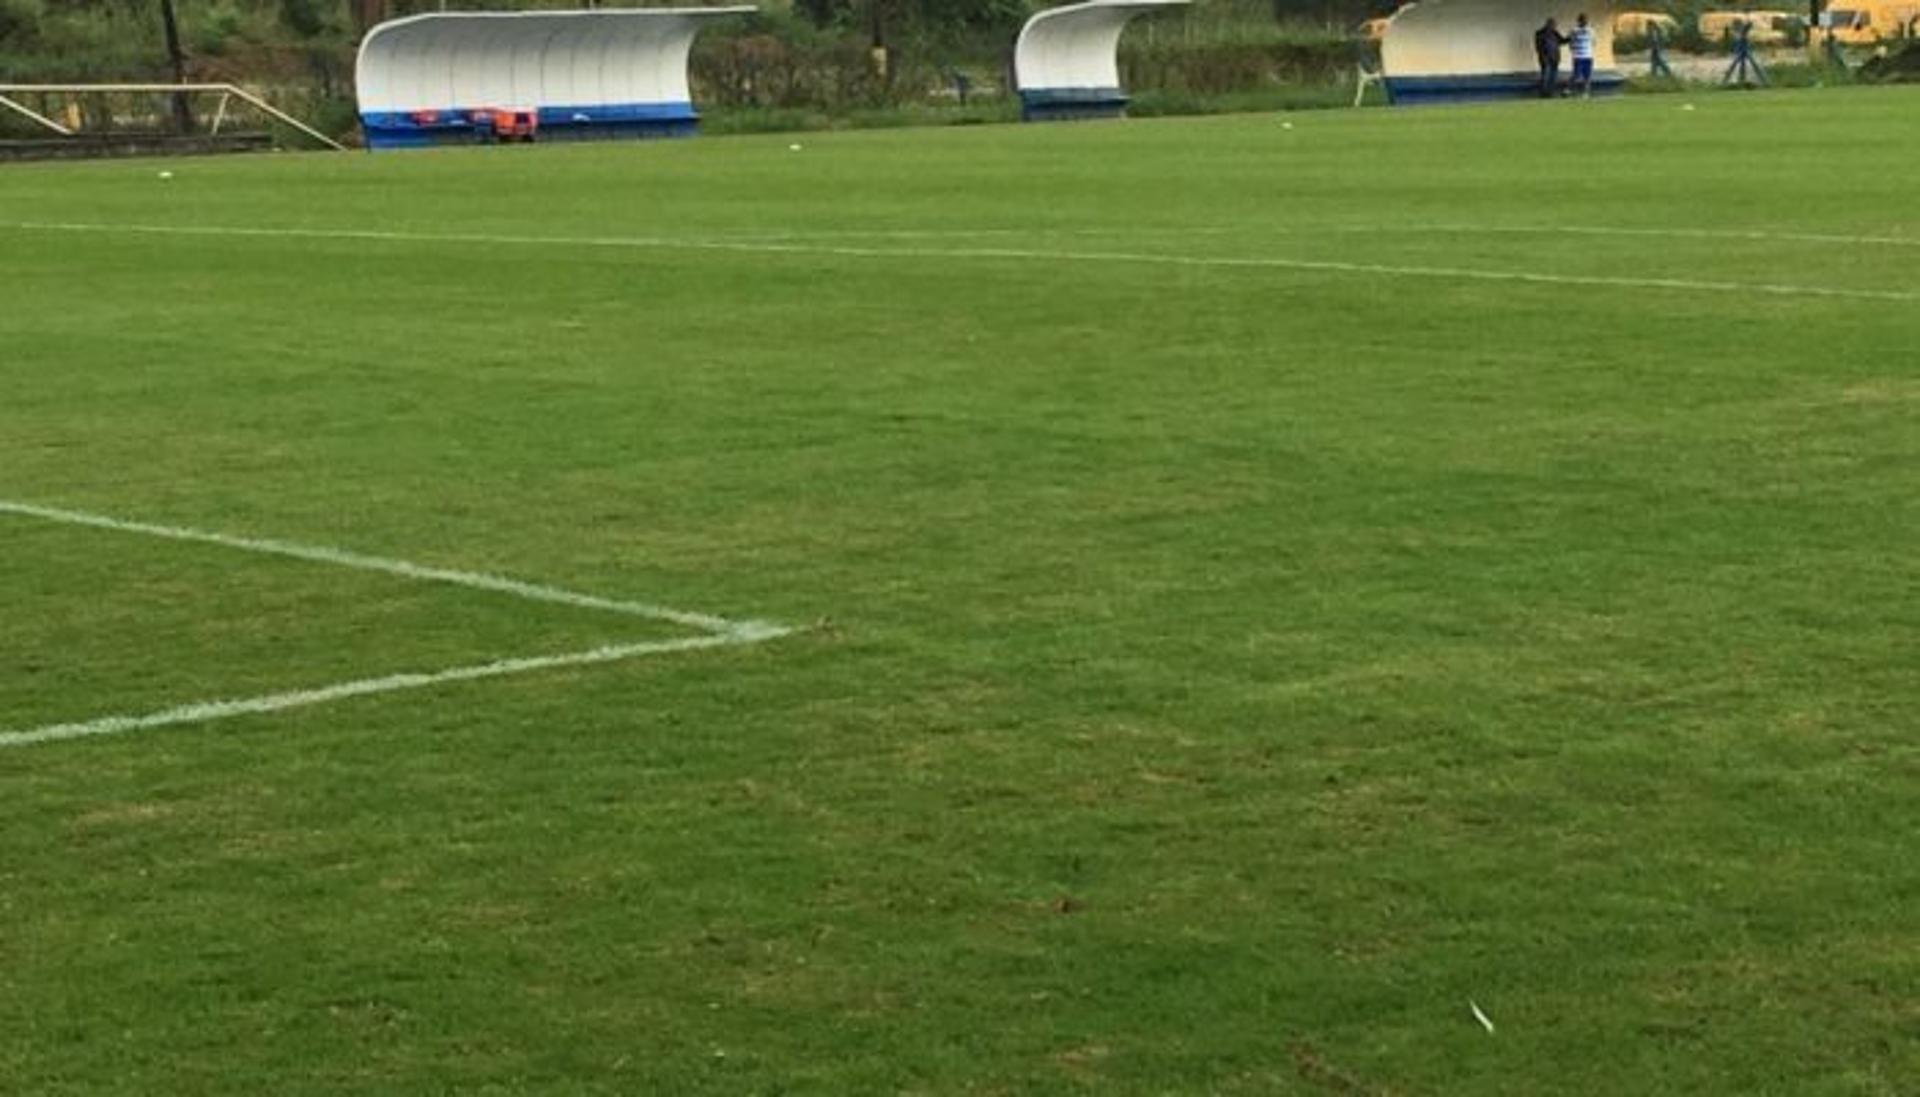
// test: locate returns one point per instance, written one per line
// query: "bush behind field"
(1222, 57)
(775, 61)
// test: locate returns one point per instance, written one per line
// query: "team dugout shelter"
(479, 77)
(1438, 51)
(1066, 60)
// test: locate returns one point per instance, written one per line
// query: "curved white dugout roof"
(468, 60)
(1466, 38)
(1076, 46)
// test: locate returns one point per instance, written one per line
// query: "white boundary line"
(722, 632)
(202, 711)
(403, 568)
(660, 243)
(1755, 235)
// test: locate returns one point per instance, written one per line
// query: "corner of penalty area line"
(203, 712)
(711, 632)
(755, 632)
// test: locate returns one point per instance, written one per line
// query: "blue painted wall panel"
(458, 126)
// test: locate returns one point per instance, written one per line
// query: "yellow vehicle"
(1769, 27)
(1865, 22)
(1640, 24)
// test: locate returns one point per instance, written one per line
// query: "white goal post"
(226, 92)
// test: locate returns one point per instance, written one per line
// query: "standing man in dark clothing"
(1546, 46)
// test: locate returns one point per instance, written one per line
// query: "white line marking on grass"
(721, 631)
(1757, 235)
(1027, 254)
(967, 234)
(202, 711)
(403, 568)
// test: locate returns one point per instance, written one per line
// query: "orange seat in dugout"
(517, 125)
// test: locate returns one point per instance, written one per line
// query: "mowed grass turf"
(1213, 677)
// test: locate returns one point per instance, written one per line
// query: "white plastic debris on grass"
(1480, 1016)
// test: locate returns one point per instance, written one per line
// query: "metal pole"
(40, 118)
(247, 97)
(1657, 57)
(182, 114)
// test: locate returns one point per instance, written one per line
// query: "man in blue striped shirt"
(1580, 44)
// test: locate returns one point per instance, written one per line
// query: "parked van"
(1640, 24)
(1865, 22)
(1769, 27)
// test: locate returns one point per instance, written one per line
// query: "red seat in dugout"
(515, 125)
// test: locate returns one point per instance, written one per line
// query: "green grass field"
(1256, 590)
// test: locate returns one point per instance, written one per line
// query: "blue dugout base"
(1418, 90)
(474, 126)
(1071, 104)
